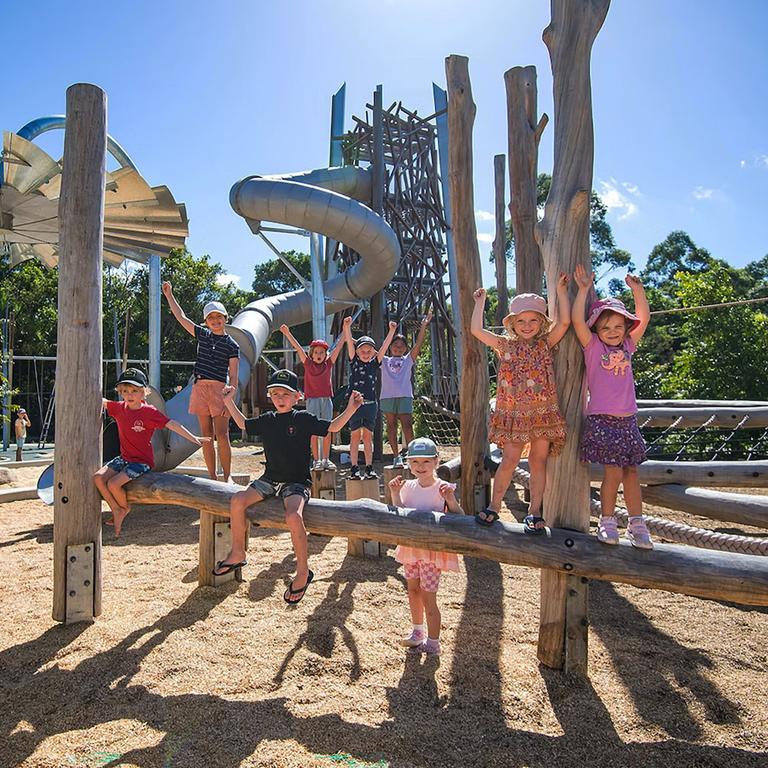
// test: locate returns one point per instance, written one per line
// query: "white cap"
(214, 306)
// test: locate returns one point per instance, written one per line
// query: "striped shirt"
(214, 351)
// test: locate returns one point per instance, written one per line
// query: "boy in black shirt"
(287, 435)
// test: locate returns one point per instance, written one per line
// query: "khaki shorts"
(206, 398)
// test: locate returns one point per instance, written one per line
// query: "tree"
(677, 253)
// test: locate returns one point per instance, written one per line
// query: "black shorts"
(281, 490)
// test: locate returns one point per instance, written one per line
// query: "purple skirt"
(612, 440)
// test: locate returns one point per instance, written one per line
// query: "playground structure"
(327, 202)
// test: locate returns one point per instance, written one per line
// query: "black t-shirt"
(214, 351)
(287, 443)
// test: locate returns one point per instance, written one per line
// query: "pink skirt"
(445, 561)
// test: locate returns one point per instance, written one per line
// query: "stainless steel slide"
(326, 201)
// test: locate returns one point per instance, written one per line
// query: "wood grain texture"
(77, 503)
(499, 239)
(670, 567)
(474, 379)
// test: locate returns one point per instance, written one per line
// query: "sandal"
(529, 525)
(490, 516)
(222, 568)
(637, 533)
(291, 591)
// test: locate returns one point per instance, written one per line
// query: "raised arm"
(347, 333)
(448, 492)
(476, 324)
(585, 281)
(355, 401)
(291, 339)
(387, 341)
(563, 312)
(419, 343)
(234, 411)
(642, 310)
(335, 351)
(180, 429)
(176, 309)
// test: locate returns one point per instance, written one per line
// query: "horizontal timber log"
(702, 404)
(721, 416)
(728, 474)
(701, 573)
(719, 505)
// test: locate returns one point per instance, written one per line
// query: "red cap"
(318, 343)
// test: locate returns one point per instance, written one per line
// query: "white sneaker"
(317, 464)
(397, 462)
(607, 530)
(328, 464)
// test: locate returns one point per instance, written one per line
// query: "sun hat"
(285, 379)
(363, 340)
(421, 448)
(132, 376)
(318, 343)
(22, 410)
(526, 302)
(613, 305)
(214, 306)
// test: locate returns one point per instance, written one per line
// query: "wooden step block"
(324, 484)
(389, 473)
(362, 489)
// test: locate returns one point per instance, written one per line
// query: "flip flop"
(491, 516)
(291, 591)
(222, 568)
(529, 521)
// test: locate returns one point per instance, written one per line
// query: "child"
(397, 389)
(422, 566)
(286, 433)
(136, 422)
(611, 436)
(216, 361)
(318, 390)
(526, 411)
(20, 428)
(363, 368)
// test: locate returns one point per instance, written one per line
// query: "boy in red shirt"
(136, 422)
(318, 389)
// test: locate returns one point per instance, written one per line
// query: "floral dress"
(526, 398)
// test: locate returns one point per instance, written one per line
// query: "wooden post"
(324, 483)
(524, 133)
(77, 503)
(474, 380)
(362, 489)
(563, 237)
(499, 240)
(389, 473)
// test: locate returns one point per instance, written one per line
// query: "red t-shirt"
(135, 428)
(317, 378)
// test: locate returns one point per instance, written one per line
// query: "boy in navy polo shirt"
(286, 434)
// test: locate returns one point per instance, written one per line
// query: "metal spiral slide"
(326, 201)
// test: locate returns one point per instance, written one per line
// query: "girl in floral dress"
(527, 411)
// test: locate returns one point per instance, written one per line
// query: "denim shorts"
(281, 490)
(322, 407)
(396, 405)
(133, 469)
(365, 417)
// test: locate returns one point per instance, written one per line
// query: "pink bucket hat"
(527, 302)
(612, 305)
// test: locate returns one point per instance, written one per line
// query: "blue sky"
(200, 98)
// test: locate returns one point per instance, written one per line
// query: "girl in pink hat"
(611, 436)
(527, 411)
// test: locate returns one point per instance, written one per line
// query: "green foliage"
(724, 355)
(677, 253)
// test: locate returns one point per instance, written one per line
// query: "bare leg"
(633, 495)
(415, 602)
(406, 419)
(100, 478)
(509, 457)
(434, 619)
(316, 453)
(537, 463)
(326, 446)
(116, 484)
(238, 522)
(392, 433)
(294, 508)
(221, 428)
(612, 477)
(209, 452)
(354, 446)
(368, 446)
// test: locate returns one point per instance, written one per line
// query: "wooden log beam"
(725, 474)
(77, 503)
(670, 567)
(524, 130)
(499, 239)
(723, 416)
(702, 403)
(474, 378)
(718, 505)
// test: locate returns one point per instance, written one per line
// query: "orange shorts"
(206, 398)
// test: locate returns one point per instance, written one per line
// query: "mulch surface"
(176, 675)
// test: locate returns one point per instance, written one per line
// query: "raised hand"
(167, 289)
(562, 280)
(396, 483)
(633, 281)
(447, 490)
(392, 325)
(284, 329)
(479, 294)
(347, 323)
(583, 278)
(427, 318)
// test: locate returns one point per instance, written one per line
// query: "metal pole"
(6, 377)
(318, 296)
(154, 321)
(336, 158)
(441, 107)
